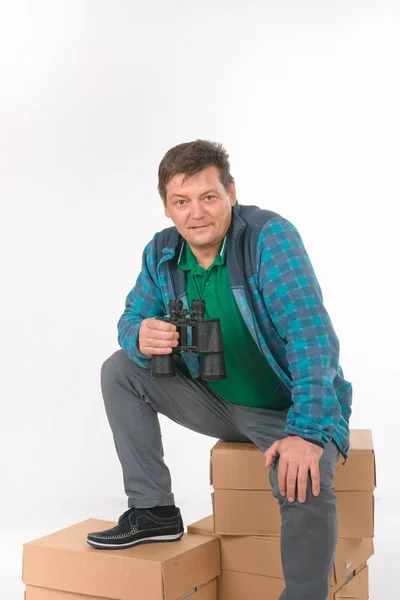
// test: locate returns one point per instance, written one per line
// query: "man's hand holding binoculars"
(166, 338)
(157, 337)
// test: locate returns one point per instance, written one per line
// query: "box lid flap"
(350, 554)
(356, 588)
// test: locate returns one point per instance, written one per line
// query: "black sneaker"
(138, 526)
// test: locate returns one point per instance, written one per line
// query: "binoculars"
(206, 340)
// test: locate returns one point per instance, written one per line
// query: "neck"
(205, 256)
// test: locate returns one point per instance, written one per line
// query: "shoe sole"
(156, 538)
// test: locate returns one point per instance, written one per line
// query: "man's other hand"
(157, 337)
(297, 458)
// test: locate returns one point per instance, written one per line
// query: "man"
(284, 389)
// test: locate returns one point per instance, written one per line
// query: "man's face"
(200, 208)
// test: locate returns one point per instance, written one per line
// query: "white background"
(305, 95)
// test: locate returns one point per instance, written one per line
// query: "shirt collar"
(188, 262)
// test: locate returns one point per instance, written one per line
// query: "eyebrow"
(203, 194)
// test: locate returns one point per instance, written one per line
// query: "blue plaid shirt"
(281, 302)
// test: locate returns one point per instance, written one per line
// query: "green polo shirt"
(249, 378)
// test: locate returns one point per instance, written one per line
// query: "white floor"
(26, 526)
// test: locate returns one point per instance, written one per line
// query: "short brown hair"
(190, 158)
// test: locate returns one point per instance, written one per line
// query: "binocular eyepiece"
(206, 340)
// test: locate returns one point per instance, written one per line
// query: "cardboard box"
(207, 592)
(64, 562)
(359, 472)
(241, 466)
(254, 512)
(262, 555)
(243, 501)
(242, 586)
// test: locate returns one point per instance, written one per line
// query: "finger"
(160, 325)
(150, 351)
(315, 478)
(271, 453)
(160, 334)
(302, 478)
(156, 343)
(291, 481)
(282, 470)
(274, 449)
(269, 459)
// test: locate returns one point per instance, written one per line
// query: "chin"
(198, 235)
(203, 243)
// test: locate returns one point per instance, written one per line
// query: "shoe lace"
(126, 514)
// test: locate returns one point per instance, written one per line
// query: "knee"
(326, 465)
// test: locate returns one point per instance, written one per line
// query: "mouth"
(199, 227)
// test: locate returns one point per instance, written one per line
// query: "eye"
(209, 197)
(181, 200)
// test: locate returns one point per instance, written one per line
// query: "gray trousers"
(133, 399)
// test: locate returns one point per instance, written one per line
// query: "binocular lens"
(163, 365)
(213, 367)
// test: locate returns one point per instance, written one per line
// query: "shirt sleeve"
(293, 299)
(144, 301)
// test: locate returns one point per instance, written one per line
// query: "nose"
(197, 212)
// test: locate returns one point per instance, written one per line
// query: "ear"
(166, 212)
(232, 194)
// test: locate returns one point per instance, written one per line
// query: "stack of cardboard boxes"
(233, 554)
(247, 520)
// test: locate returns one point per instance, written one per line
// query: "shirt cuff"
(320, 444)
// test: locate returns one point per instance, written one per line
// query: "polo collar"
(187, 260)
